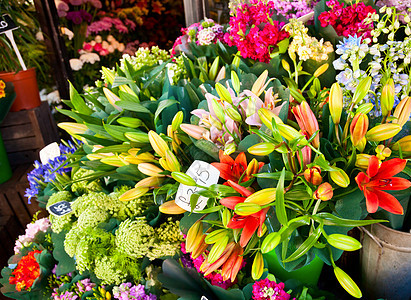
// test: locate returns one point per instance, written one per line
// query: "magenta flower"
(75, 17)
(269, 290)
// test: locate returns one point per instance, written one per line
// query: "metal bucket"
(385, 263)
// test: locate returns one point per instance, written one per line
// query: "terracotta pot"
(26, 88)
(386, 262)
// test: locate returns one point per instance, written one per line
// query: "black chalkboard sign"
(6, 24)
(60, 208)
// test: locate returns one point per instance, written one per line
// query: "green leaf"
(78, 102)
(133, 106)
(211, 209)
(276, 175)
(161, 106)
(306, 245)
(333, 220)
(279, 201)
(118, 80)
(115, 148)
(124, 96)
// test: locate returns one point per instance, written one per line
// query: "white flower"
(39, 36)
(53, 97)
(68, 32)
(76, 64)
(90, 58)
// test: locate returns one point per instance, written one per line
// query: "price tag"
(203, 174)
(6, 24)
(49, 152)
(60, 208)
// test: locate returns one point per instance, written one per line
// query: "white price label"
(50, 152)
(203, 174)
(204, 298)
(60, 208)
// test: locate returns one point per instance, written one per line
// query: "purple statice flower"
(68, 296)
(127, 290)
(75, 17)
(269, 290)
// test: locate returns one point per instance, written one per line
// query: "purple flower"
(128, 291)
(86, 16)
(75, 17)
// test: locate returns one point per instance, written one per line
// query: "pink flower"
(98, 47)
(103, 52)
(87, 47)
(76, 2)
(266, 290)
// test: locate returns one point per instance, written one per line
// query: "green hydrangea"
(71, 240)
(163, 249)
(61, 223)
(84, 186)
(84, 203)
(107, 269)
(145, 57)
(135, 238)
(177, 70)
(91, 217)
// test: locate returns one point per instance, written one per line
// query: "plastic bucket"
(386, 263)
(5, 169)
(26, 88)
(308, 274)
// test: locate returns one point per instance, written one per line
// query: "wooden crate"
(26, 132)
(9, 231)
(12, 199)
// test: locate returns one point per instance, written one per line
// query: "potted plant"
(28, 40)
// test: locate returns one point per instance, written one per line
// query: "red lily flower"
(380, 178)
(231, 169)
(250, 223)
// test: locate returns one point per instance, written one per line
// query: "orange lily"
(231, 169)
(249, 223)
(380, 178)
(307, 121)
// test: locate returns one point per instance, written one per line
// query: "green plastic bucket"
(308, 274)
(5, 169)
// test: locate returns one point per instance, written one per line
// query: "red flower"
(26, 272)
(250, 223)
(231, 169)
(380, 178)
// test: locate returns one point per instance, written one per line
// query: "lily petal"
(389, 203)
(242, 190)
(391, 183)
(390, 168)
(225, 171)
(225, 159)
(231, 202)
(371, 201)
(373, 165)
(250, 227)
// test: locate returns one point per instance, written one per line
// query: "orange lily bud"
(404, 143)
(307, 121)
(358, 128)
(223, 92)
(313, 175)
(257, 268)
(158, 144)
(138, 137)
(290, 133)
(233, 264)
(172, 162)
(208, 268)
(246, 209)
(150, 170)
(233, 114)
(261, 149)
(267, 117)
(383, 132)
(340, 178)
(324, 192)
(362, 161)
(149, 182)
(262, 197)
(336, 102)
(402, 111)
(183, 178)
(171, 208)
(230, 148)
(387, 97)
(201, 247)
(347, 283)
(226, 217)
(130, 122)
(362, 144)
(133, 194)
(218, 249)
(193, 236)
(321, 70)
(252, 167)
(112, 98)
(270, 242)
(215, 235)
(114, 161)
(73, 128)
(194, 131)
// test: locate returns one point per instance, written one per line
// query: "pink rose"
(87, 47)
(103, 52)
(98, 47)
